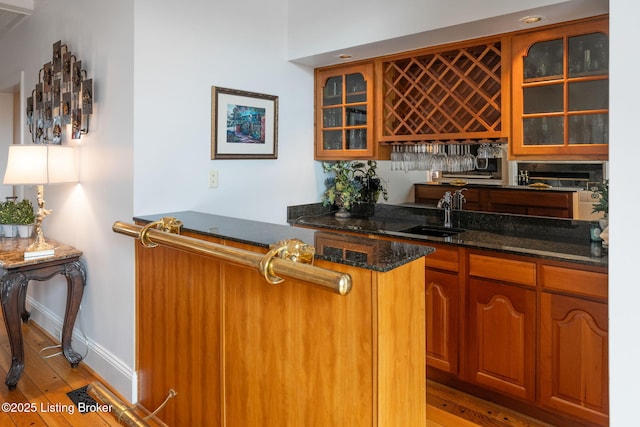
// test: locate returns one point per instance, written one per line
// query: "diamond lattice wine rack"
(451, 94)
(63, 96)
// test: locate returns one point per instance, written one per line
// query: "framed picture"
(244, 125)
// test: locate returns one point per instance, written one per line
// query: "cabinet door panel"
(543, 99)
(441, 304)
(574, 357)
(501, 333)
(344, 97)
(588, 54)
(544, 60)
(560, 73)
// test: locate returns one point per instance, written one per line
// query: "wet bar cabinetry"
(543, 90)
(442, 306)
(344, 122)
(520, 331)
(516, 307)
(243, 352)
(574, 337)
(444, 92)
(560, 92)
(440, 93)
(501, 324)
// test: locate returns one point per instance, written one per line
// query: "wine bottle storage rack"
(443, 95)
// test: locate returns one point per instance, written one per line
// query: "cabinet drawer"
(445, 258)
(581, 282)
(508, 270)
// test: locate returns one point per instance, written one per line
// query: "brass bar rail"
(339, 283)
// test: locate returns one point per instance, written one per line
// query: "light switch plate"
(213, 178)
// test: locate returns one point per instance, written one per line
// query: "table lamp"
(39, 164)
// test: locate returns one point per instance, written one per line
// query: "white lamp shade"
(40, 164)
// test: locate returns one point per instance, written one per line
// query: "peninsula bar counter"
(241, 351)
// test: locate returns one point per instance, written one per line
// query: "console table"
(15, 274)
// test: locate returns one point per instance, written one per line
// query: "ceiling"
(555, 12)
(12, 12)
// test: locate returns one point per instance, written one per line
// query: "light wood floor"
(448, 407)
(44, 386)
(46, 382)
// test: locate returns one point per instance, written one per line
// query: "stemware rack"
(445, 156)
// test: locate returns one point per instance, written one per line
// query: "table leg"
(76, 279)
(13, 287)
(24, 314)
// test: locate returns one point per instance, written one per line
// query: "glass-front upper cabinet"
(343, 112)
(561, 92)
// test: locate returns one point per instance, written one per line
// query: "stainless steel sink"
(426, 230)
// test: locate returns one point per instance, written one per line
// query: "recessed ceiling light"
(345, 56)
(531, 19)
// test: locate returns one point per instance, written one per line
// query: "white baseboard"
(116, 373)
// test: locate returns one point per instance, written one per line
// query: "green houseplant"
(602, 191)
(24, 213)
(353, 186)
(24, 217)
(7, 215)
(17, 218)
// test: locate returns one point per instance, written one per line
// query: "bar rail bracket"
(292, 258)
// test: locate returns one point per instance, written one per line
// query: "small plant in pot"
(353, 187)
(24, 218)
(371, 188)
(7, 214)
(17, 218)
(601, 191)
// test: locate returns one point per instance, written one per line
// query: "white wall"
(625, 233)
(180, 53)
(6, 138)
(99, 33)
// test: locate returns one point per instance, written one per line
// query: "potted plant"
(353, 185)
(24, 218)
(7, 214)
(371, 188)
(601, 191)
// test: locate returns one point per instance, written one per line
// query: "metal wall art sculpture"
(62, 96)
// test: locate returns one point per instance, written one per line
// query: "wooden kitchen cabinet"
(573, 361)
(522, 331)
(243, 352)
(344, 123)
(560, 98)
(501, 319)
(445, 92)
(442, 307)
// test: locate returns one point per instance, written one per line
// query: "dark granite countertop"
(548, 238)
(381, 255)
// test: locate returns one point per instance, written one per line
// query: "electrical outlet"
(213, 178)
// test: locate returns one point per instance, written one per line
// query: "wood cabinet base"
(241, 352)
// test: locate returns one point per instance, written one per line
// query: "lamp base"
(39, 248)
(39, 254)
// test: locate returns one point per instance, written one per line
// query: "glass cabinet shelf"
(561, 91)
(343, 124)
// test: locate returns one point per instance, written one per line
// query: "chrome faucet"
(445, 203)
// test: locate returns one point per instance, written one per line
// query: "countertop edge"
(385, 255)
